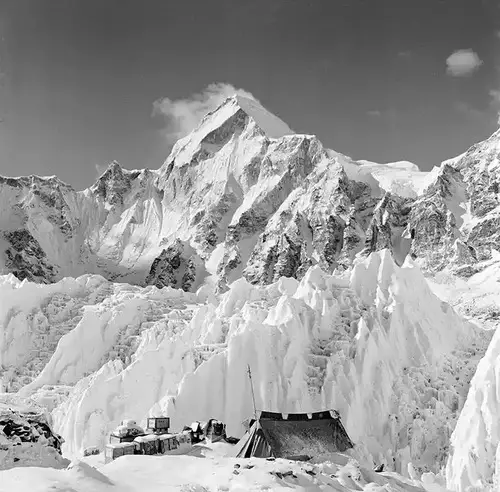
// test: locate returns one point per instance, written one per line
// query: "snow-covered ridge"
(402, 178)
(273, 126)
(244, 195)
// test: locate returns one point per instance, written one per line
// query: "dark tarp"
(297, 435)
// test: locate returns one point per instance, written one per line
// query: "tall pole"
(253, 394)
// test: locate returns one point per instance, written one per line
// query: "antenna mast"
(253, 394)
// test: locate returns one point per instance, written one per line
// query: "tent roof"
(326, 414)
(317, 434)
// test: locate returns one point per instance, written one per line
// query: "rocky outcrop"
(26, 259)
(319, 223)
(479, 168)
(26, 439)
(177, 267)
(388, 226)
(435, 220)
(464, 259)
(114, 184)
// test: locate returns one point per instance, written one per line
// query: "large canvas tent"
(294, 435)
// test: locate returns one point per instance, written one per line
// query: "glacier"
(377, 345)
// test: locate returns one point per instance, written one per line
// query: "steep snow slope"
(49, 231)
(378, 347)
(401, 178)
(479, 167)
(475, 298)
(474, 462)
(72, 315)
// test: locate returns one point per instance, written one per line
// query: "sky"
(85, 82)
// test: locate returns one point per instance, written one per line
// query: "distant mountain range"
(243, 195)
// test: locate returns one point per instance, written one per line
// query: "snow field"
(214, 474)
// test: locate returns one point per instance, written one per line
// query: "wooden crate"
(165, 442)
(113, 451)
(148, 444)
(120, 439)
(159, 424)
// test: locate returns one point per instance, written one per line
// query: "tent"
(294, 436)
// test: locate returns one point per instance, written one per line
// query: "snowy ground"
(216, 473)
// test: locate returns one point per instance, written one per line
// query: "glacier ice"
(377, 345)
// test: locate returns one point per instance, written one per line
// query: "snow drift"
(192, 474)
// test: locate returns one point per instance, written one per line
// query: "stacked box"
(114, 439)
(164, 443)
(148, 444)
(159, 424)
(113, 451)
(184, 437)
(173, 443)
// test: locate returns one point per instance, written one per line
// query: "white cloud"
(99, 170)
(495, 102)
(468, 110)
(462, 63)
(183, 115)
(374, 112)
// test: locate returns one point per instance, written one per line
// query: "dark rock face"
(26, 439)
(289, 259)
(220, 136)
(174, 268)
(386, 230)
(210, 228)
(114, 184)
(480, 171)
(26, 259)
(314, 225)
(434, 218)
(29, 430)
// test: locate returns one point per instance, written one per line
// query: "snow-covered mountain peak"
(272, 126)
(116, 182)
(269, 123)
(480, 156)
(232, 117)
(34, 182)
(242, 194)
